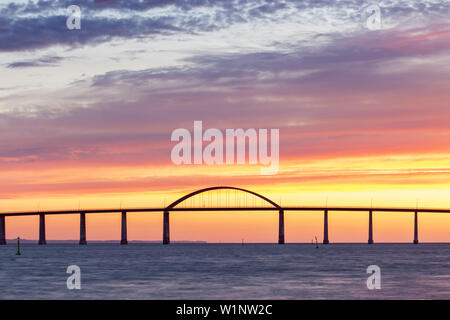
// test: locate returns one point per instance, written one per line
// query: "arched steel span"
(173, 204)
(166, 224)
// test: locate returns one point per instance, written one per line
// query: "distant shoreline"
(32, 241)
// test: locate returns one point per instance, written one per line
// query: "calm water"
(225, 271)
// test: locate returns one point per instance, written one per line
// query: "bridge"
(264, 204)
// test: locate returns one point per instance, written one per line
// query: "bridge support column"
(325, 227)
(416, 231)
(281, 227)
(166, 228)
(83, 229)
(2, 231)
(370, 228)
(42, 240)
(124, 228)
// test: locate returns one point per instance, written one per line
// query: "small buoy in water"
(18, 247)
(317, 244)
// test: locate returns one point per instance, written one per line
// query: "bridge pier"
(83, 229)
(325, 227)
(370, 228)
(124, 228)
(42, 240)
(416, 231)
(166, 228)
(281, 227)
(2, 231)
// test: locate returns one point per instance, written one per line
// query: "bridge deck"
(202, 209)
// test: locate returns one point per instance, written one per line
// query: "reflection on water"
(226, 271)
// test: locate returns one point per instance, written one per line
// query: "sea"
(225, 271)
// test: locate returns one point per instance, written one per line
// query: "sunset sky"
(86, 115)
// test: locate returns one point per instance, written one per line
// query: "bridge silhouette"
(176, 206)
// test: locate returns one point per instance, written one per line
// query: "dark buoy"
(18, 247)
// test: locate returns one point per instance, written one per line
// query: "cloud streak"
(47, 61)
(42, 24)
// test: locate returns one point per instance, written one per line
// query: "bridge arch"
(180, 200)
(166, 227)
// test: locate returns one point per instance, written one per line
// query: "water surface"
(225, 271)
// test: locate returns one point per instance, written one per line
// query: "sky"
(86, 115)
